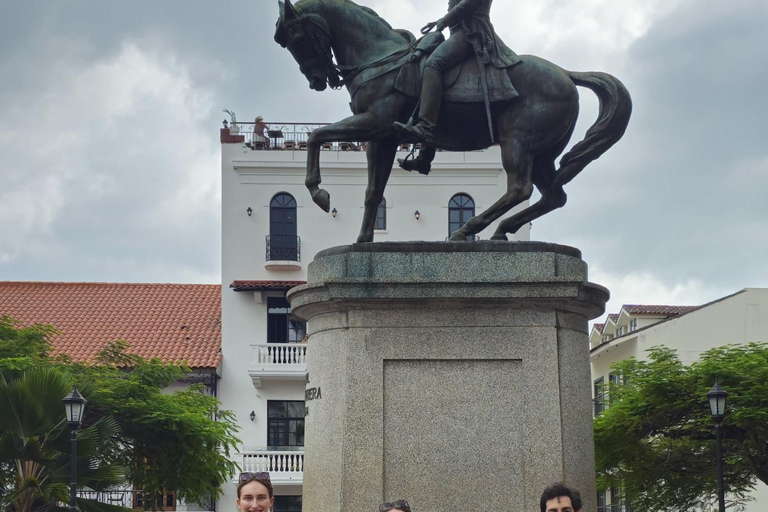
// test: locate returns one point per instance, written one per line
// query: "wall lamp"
(249, 211)
(417, 214)
(253, 415)
(334, 212)
(226, 124)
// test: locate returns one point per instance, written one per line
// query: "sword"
(481, 52)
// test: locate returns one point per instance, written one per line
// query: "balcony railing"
(284, 467)
(277, 361)
(140, 500)
(288, 136)
(283, 248)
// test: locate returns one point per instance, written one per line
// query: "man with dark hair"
(560, 498)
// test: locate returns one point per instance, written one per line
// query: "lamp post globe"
(717, 399)
(74, 407)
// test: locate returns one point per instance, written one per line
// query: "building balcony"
(283, 252)
(277, 361)
(284, 467)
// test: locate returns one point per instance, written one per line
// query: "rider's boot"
(414, 164)
(422, 163)
(431, 97)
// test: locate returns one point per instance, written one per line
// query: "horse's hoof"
(499, 236)
(362, 239)
(322, 199)
(456, 237)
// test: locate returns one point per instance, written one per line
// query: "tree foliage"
(656, 441)
(35, 444)
(171, 441)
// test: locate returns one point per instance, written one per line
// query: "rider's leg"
(449, 54)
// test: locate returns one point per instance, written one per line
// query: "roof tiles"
(253, 286)
(646, 309)
(174, 322)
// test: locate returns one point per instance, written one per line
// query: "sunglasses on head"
(259, 475)
(389, 505)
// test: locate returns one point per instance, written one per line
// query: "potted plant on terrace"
(234, 128)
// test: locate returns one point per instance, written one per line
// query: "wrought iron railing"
(283, 248)
(615, 508)
(140, 500)
(599, 404)
(288, 136)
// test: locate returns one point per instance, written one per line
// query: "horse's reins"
(346, 73)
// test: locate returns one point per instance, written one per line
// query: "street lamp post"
(717, 398)
(74, 405)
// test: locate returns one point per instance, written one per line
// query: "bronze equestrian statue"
(530, 104)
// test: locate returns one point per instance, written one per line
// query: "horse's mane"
(404, 33)
(372, 13)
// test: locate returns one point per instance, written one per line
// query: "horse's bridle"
(323, 55)
(336, 75)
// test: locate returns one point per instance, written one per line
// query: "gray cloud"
(109, 116)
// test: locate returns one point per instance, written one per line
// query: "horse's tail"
(612, 121)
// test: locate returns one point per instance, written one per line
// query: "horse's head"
(308, 39)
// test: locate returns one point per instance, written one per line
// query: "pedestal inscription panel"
(447, 422)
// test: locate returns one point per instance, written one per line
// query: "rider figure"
(463, 18)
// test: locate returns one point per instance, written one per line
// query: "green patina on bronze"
(530, 104)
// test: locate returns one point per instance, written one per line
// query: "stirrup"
(414, 164)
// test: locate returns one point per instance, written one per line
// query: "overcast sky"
(110, 159)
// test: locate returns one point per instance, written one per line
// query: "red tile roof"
(253, 286)
(175, 322)
(644, 309)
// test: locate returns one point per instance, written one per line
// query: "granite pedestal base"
(453, 375)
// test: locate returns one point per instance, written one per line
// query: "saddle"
(461, 84)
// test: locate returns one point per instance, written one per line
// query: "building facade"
(691, 330)
(271, 231)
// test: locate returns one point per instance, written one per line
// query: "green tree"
(35, 445)
(657, 439)
(178, 441)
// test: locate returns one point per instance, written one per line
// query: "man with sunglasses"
(395, 506)
(560, 498)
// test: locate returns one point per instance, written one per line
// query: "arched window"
(381, 215)
(461, 208)
(283, 242)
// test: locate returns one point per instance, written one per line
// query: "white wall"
(251, 178)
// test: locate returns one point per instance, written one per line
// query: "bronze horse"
(532, 129)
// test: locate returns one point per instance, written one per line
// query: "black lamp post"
(717, 397)
(74, 405)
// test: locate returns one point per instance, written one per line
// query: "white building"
(691, 330)
(271, 231)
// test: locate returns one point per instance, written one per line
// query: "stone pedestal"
(453, 375)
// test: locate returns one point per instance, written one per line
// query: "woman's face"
(254, 497)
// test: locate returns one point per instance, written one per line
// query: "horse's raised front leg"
(518, 163)
(360, 127)
(381, 156)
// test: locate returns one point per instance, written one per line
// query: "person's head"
(395, 506)
(255, 492)
(560, 498)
